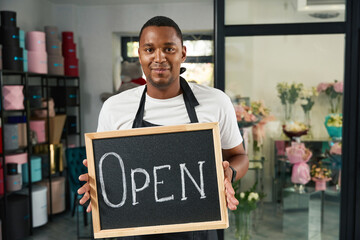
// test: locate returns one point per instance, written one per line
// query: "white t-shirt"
(119, 112)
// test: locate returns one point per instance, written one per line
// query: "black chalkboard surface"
(156, 180)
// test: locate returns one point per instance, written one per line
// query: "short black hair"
(162, 21)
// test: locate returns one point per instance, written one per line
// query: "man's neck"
(164, 93)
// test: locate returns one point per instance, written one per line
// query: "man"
(167, 99)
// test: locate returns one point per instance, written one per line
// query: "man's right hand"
(85, 189)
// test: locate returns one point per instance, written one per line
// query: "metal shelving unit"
(46, 82)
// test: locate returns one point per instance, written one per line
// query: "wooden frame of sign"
(219, 222)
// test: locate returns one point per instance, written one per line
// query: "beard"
(160, 85)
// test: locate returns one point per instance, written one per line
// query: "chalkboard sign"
(156, 180)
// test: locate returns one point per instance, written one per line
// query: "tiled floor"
(267, 225)
(62, 227)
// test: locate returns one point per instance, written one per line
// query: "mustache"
(157, 66)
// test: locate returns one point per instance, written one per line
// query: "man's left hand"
(232, 202)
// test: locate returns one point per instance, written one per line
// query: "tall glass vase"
(243, 225)
(288, 107)
(307, 122)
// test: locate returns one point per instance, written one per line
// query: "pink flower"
(338, 87)
(323, 86)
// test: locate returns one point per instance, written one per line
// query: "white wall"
(94, 27)
(31, 15)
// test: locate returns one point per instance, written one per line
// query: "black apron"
(190, 103)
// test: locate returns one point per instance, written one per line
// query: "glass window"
(202, 73)
(283, 11)
(259, 69)
(132, 49)
(196, 48)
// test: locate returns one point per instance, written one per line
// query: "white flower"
(251, 196)
(242, 195)
(304, 102)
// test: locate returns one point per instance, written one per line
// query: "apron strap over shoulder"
(140, 112)
(190, 104)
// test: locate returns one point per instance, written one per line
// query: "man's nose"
(159, 56)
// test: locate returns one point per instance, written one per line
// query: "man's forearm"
(240, 163)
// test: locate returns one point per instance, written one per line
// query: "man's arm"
(238, 159)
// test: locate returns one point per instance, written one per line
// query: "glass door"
(284, 67)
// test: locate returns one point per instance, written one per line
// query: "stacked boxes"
(37, 57)
(53, 49)
(9, 39)
(22, 45)
(69, 53)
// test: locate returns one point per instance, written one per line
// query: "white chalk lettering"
(133, 184)
(201, 188)
(164, 199)
(102, 184)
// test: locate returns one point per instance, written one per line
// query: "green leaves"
(289, 93)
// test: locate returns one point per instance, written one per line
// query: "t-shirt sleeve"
(104, 123)
(229, 130)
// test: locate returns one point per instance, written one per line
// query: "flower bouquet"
(320, 175)
(245, 116)
(295, 129)
(299, 155)
(333, 124)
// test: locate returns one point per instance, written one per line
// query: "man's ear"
(183, 54)
(139, 55)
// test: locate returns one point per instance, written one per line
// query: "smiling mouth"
(159, 70)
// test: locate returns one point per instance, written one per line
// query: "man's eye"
(148, 50)
(169, 49)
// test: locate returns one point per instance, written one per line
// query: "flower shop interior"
(288, 66)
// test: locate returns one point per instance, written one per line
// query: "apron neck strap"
(189, 99)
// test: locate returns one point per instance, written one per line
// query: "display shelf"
(45, 81)
(42, 143)
(38, 108)
(18, 150)
(13, 111)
